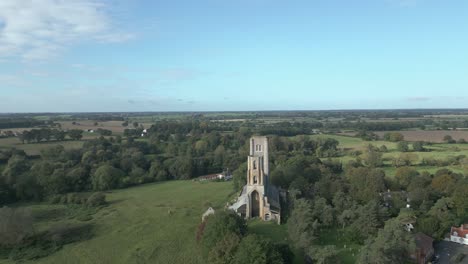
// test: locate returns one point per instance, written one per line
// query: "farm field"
(437, 151)
(154, 223)
(35, 148)
(114, 126)
(436, 136)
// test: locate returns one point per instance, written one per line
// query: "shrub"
(16, 225)
(221, 224)
(96, 199)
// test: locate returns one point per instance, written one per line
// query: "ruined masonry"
(258, 198)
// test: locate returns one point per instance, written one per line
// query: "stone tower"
(258, 198)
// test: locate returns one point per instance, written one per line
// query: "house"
(459, 234)
(424, 248)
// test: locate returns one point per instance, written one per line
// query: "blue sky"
(210, 55)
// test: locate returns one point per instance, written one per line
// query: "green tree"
(106, 177)
(75, 134)
(372, 158)
(224, 250)
(405, 175)
(16, 166)
(392, 245)
(459, 199)
(393, 136)
(419, 146)
(402, 146)
(239, 176)
(221, 224)
(448, 139)
(257, 250)
(365, 183)
(301, 225)
(324, 254)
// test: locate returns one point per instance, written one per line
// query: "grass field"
(114, 126)
(154, 223)
(35, 148)
(437, 151)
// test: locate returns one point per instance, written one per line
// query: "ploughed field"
(153, 223)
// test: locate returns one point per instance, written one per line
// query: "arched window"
(255, 164)
(255, 179)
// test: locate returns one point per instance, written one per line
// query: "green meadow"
(434, 151)
(153, 223)
(35, 148)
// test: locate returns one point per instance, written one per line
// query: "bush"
(219, 225)
(16, 225)
(96, 199)
(393, 136)
(50, 241)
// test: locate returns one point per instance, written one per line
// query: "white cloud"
(39, 29)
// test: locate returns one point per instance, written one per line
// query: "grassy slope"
(154, 223)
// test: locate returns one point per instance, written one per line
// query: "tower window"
(255, 179)
(255, 164)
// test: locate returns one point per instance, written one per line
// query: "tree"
(404, 175)
(301, 226)
(135, 124)
(257, 250)
(324, 254)
(405, 159)
(392, 245)
(459, 199)
(444, 183)
(59, 135)
(323, 212)
(419, 146)
(448, 139)
(393, 136)
(239, 176)
(16, 166)
(125, 124)
(370, 218)
(54, 183)
(224, 251)
(75, 134)
(402, 146)
(365, 183)
(372, 158)
(106, 177)
(219, 225)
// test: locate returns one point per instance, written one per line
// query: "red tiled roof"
(462, 231)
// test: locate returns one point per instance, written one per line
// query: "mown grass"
(154, 223)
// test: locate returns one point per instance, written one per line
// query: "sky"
(240, 55)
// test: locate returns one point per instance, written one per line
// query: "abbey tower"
(259, 198)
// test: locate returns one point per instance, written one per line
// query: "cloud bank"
(39, 29)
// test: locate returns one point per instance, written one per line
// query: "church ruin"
(258, 198)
